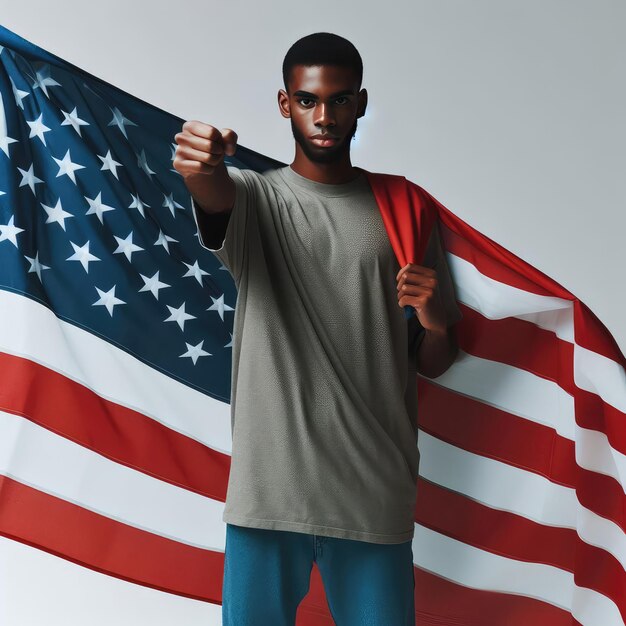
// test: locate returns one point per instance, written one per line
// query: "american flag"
(115, 352)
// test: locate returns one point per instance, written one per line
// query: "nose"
(325, 115)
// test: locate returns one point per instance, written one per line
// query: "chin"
(319, 153)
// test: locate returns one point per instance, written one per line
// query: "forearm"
(436, 352)
(213, 193)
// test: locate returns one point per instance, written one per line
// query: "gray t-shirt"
(323, 403)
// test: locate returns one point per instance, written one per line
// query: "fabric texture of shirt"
(324, 390)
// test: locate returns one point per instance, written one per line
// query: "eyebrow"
(345, 92)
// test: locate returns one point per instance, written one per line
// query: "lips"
(324, 140)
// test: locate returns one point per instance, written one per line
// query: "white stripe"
(32, 331)
(496, 484)
(504, 487)
(539, 400)
(512, 390)
(594, 452)
(496, 300)
(595, 373)
(37, 457)
(40, 589)
(479, 569)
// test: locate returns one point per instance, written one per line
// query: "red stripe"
(442, 602)
(124, 435)
(592, 334)
(494, 261)
(527, 347)
(496, 434)
(513, 536)
(524, 345)
(110, 547)
(517, 343)
(106, 545)
(498, 263)
(595, 414)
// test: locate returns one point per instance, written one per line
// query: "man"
(324, 459)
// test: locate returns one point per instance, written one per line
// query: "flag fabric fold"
(115, 351)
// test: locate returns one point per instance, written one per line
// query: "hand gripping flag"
(115, 342)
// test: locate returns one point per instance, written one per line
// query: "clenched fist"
(202, 147)
(417, 286)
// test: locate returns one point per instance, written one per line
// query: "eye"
(303, 101)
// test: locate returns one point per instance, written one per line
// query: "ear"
(283, 103)
(362, 103)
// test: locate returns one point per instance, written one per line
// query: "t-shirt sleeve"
(226, 233)
(435, 258)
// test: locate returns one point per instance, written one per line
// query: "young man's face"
(323, 100)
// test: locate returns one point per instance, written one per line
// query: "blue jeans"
(267, 574)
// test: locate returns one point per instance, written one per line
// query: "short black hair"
(322, 49)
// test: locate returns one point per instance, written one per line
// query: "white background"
(511, 113)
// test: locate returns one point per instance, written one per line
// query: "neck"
(337, 172)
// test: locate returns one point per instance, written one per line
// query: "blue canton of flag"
(96, 224)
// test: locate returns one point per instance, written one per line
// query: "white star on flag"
(56, 214)
(10, 231)
(153, 284)
(35, 265)
(143, 163)
(73, 120)
(120, 121)
(171, 204)
(98, 207)
(194, 352)
(38, 128)
(126, 246)
(108, 299)
(44, 80)
(138, 204)
(163, 240)
(67, 167)
(219, 306)
(18, 94)
(196, 271)
(109, 163)
(179, 316)
(28, 178)
(82, 254)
